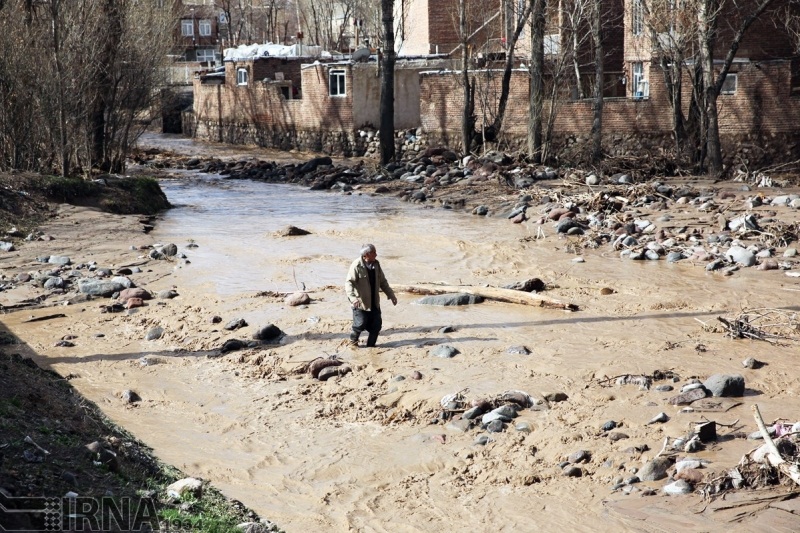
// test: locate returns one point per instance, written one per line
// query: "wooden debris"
(770, 325)
(490, 293)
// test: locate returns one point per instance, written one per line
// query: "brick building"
(294, 102)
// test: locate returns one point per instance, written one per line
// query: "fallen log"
(490, 293)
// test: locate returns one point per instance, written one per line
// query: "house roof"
(255, 51)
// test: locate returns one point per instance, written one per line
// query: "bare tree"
(599, 69)
(388, 58)
(538, 9)
(97, 68)
(709, 14)
(505, 85)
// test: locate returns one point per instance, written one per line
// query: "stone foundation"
(749, 151)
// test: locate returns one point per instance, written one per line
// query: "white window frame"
(339, 77)
(640, 87)
(208, 54)
(731, 82)
(552, 44)
(204, 28)
(187, 27)
(637, 17)
(242, 76)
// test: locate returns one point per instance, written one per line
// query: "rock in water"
(291, 231)
(297, 298)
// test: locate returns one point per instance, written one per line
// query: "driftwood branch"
(773, 455)
(490, 293)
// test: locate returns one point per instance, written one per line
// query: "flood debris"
(763, 324)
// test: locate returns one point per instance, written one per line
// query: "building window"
(552, 44)
(640, 86)
(730, 84)
(204, 28)
(187, 28)
(637, 17)
(242, 76)
(336, 83)
(205, 54)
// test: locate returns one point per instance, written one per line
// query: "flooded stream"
(366, 451)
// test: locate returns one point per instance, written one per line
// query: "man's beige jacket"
(357, 284)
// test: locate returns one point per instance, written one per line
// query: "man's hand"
(394, 300)
(356, 305)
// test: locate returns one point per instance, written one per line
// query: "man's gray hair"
(367, 248)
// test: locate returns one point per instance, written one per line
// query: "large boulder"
(725, 385)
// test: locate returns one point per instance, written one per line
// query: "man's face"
(370, 257)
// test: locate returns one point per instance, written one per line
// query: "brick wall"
(762, 104)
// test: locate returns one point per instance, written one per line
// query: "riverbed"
(365, 452)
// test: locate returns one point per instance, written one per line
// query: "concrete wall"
(367, 95)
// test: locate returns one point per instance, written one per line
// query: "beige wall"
(367, 94)
(416, 30)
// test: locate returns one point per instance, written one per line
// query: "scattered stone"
(518, 350)
(572, 471)
(690, 475)
(608, 426)
(267, 333)
(614, 436)
(660, 418)
(232, 345)
(495, 426)
(678, 487)
(216, 319)
(725, 385)
(523, 427)
(663, 388)
(753, 363)
(451, 299)
(463, 425)
(191, 487)
(154, 333)
(297, 298)
(416, 374)
(235, 324)
(136, 292)
(685, 398)
(529, 285)
(333, 371)
(581, 456)
(59, 260)
(96, 287)
(556, 397)
(129, 396)
(168, 295)
(741, 256)
(655, 469)
(444, 351)
(447, 329)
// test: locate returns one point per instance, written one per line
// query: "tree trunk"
(387, 83)
(490, 293)
(505, 85)
(103, 84)
(536, 104)
(597, 104)
(62, 112)
(468, 108)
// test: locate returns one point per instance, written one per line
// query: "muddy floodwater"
(365, 452)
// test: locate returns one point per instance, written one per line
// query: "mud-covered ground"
(386, 447)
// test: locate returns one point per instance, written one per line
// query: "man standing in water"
(364, 280)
